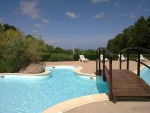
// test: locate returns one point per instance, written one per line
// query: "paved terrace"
(98, 103)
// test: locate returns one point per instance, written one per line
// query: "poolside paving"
(98, 103)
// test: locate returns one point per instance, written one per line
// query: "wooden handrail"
(139, 49)
(106, 50)
(109, 71)
(136, 48)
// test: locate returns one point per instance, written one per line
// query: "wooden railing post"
(120, 61)
(110, 79)
(128, 59)
(104, 77)
(138, 64)
(99, 62)
(96, 64)
(109, 71)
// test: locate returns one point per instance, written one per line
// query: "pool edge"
(72, 103)
(25, 74)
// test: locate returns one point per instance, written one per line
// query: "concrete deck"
(98, 103)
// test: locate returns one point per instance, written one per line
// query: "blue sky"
(86, 24)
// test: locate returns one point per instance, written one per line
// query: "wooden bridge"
(122, 82)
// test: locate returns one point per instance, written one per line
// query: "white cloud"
(37, 25)
(53, 42)
(1, 20)
(45, 21)
(132, 16)
(96, 1)
(72, 15)
(30, 8)
(65, 25)
(139, 6)
(116, 4)
(99, 15)
(34, 33)
(129, 13)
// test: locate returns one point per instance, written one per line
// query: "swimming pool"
(36, 95)
(145, 75)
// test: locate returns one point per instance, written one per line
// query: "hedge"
(90, 56)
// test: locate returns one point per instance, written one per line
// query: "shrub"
(5, 66)
(45, 56)
(60, 57)
(17, 51)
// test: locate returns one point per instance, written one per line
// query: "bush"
(60, 57)
(5, 66)
(45, 56)
(17, 51)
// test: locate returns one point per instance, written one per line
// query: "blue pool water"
(145, 75)
(34, 96)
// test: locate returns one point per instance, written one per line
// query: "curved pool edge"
(72, 103)
(24, 74)
(78, 70)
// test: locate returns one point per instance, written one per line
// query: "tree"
(140, 29)
(6, 27)
(1, 27)
(148, 33)
(135, 35)
(90, 51)
(18, 50)
(58, 50)
(78, 51)
(49, 48)
(115, 44)
(127, 40)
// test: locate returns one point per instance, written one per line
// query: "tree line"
(137, 35)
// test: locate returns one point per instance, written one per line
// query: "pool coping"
(24, 74)
(78, 70)
(72, 103)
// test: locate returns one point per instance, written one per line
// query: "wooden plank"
(127, 83)
(126, 93)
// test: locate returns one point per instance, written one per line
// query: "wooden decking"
(127, 84)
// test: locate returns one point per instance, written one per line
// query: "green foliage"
(90, 56)
(137, 35)
(7, 27)
(49, 54)
(90, 51)
(76, 57)
(49, 48)
(60, 57)
(18, 51)
(78, 51)
(5, 66)
(45, 56)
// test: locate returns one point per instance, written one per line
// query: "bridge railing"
(139, 50)
(103, 51)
